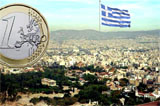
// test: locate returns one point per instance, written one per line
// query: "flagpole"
(99, 15)
(159, 52)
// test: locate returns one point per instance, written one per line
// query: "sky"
(84, 14)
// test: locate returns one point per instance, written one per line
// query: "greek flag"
(115, 17)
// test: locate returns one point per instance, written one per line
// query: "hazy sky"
(84, 14)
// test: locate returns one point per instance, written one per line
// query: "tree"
(142, 87)
(92, 79)
(70, 100)
(34, 100)
(115, 95)
(123, 82)
(93, 93)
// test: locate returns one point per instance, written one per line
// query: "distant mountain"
(61, 35)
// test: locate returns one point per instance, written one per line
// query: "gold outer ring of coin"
(44, 30)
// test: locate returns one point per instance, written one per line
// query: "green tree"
(92, 92)
(92, 79)
(142, 87)
(123, 82)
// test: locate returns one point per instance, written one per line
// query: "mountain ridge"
(61, 35)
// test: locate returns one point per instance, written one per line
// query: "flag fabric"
(115, 17)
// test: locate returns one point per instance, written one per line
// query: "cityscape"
(88, 69)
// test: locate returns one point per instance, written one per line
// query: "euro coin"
(24, 35)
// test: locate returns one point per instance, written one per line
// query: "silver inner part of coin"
(19, 36)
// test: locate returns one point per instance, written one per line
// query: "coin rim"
(42, 53)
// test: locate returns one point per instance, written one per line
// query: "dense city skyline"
(116, 70)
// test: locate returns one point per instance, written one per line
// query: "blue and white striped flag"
(115, 17)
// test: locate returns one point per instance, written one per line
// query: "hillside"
(61, 35)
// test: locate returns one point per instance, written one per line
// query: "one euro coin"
(24, 35)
